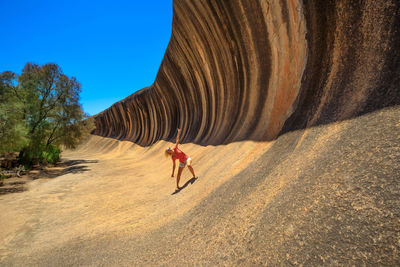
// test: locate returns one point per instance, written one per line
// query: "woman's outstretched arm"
(178, 136)
(173, 168)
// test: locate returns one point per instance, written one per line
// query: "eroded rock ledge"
(250, 70)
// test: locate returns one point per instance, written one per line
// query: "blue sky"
(113, 48)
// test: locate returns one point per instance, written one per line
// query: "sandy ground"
(328, 195)
(114, 186)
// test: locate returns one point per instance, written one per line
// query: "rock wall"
(251, 70)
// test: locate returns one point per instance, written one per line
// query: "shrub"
(51, 154)
(31, 155)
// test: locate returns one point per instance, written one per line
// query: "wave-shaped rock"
(251, 70)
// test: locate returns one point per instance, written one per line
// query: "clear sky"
(113, 48)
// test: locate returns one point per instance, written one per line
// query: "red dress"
(179, 155)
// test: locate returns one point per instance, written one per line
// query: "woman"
(184, 160)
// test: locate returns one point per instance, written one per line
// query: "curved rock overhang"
(251, 70)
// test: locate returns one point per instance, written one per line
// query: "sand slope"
(327, 195)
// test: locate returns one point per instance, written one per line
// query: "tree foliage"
(12, 127)
(45, 103)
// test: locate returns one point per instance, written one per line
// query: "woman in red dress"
(184, 160)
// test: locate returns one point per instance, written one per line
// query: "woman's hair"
(166, 152)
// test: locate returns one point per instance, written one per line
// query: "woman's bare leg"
(178, 177)
(189, 164)
(191, 170)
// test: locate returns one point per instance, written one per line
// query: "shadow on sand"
(12, 185)
(64, 167)
(191, 181)
(75, 162)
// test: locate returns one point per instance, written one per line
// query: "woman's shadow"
(191, 181)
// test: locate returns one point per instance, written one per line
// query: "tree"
(52, 112)
(12, 126)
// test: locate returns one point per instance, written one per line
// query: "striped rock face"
(290, 111)
(254, 69)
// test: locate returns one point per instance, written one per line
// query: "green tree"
(40, 113)
(12, 126)
(52, 112)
